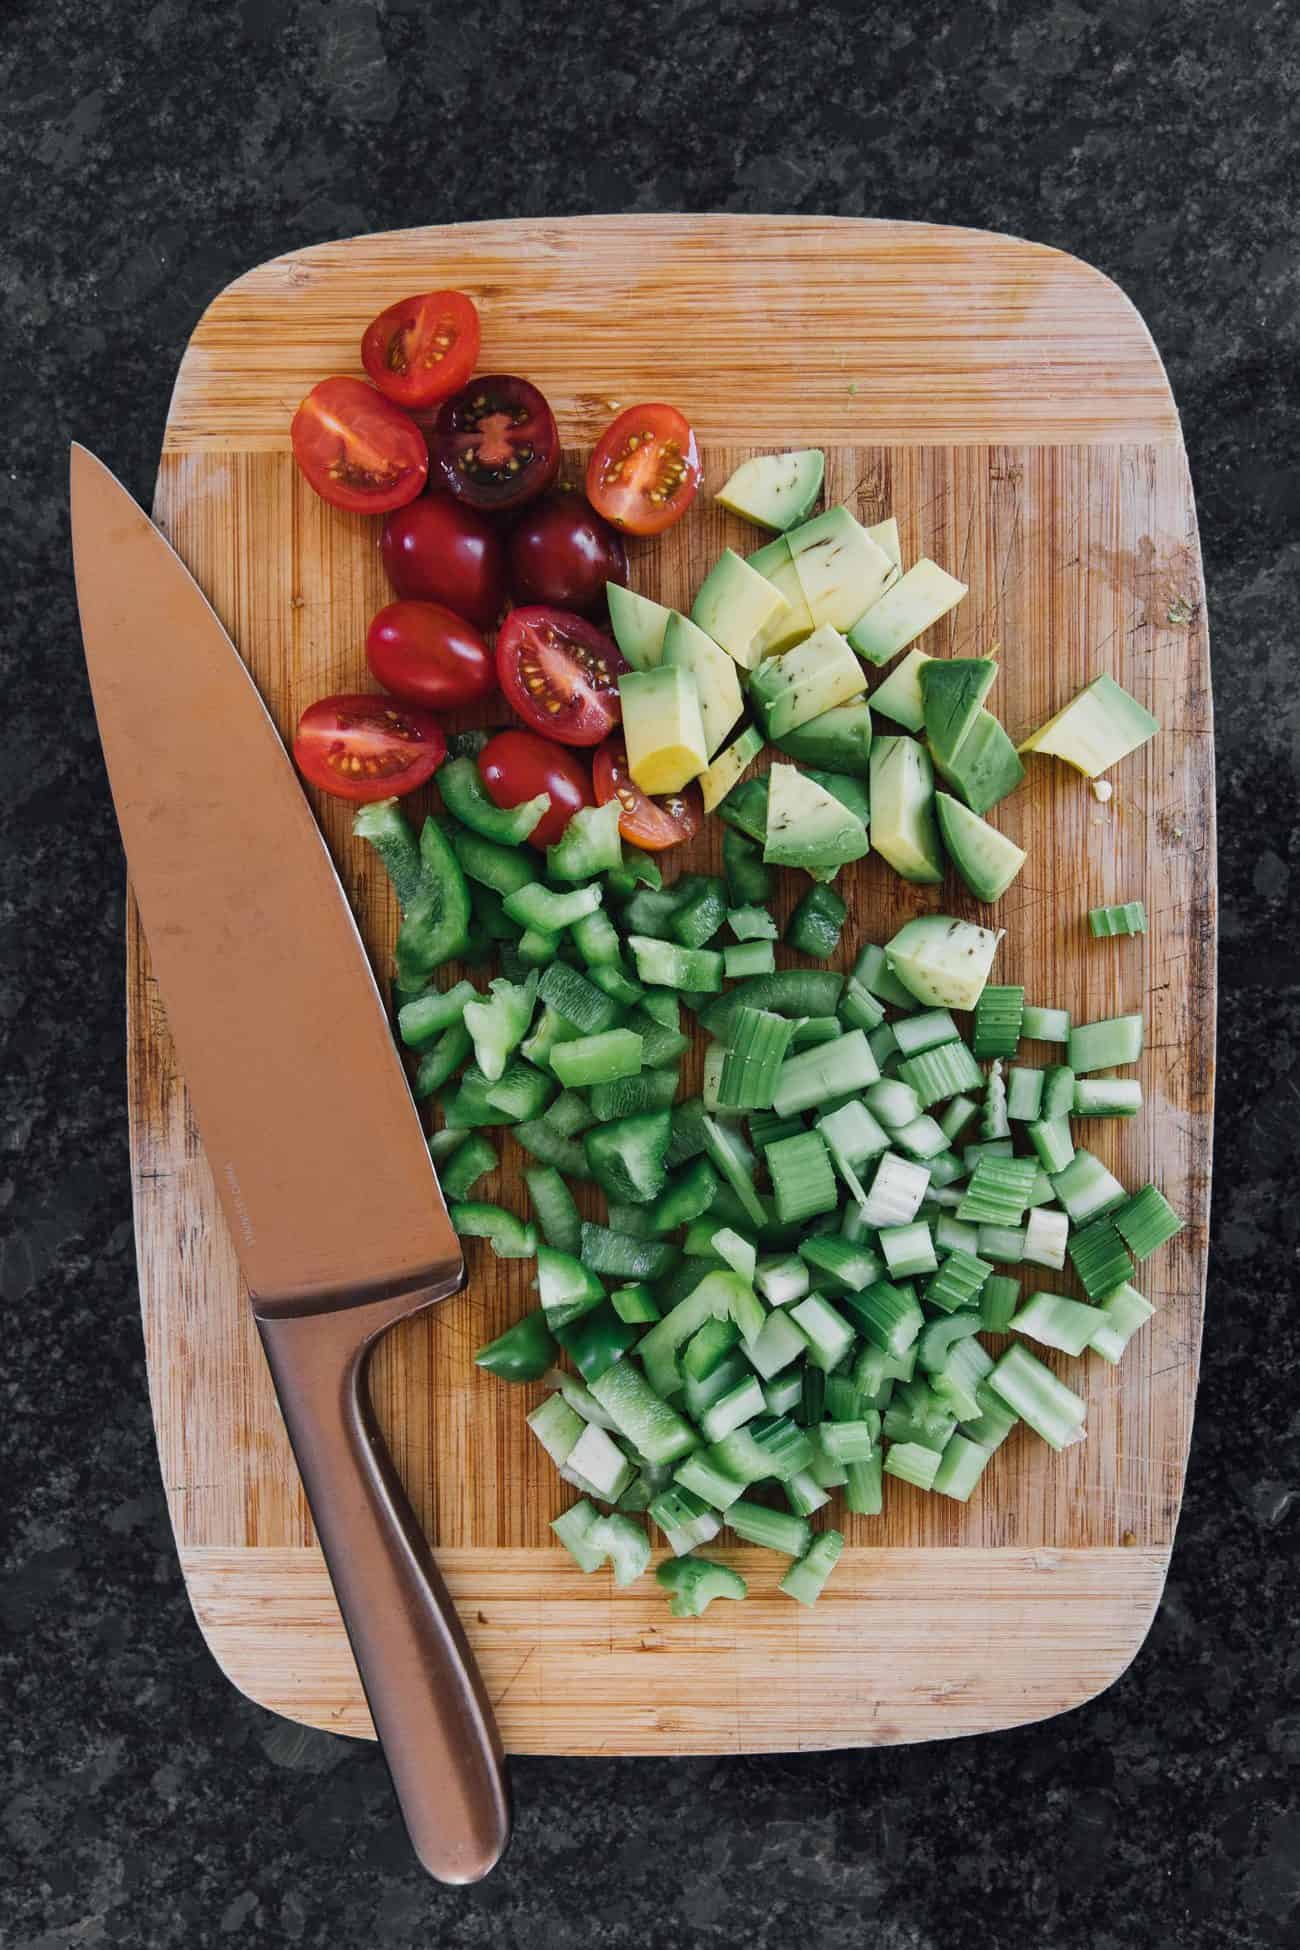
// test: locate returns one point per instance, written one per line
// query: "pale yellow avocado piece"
(909, 606)
(716, 677)
(841, 570)
(775, 564)
(899, 697)
(885, 535)
(801, 683)
(1096, 729)
(735, 606)
(663, 727)
(729, 766)
(944, 962)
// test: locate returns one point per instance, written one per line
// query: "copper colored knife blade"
(307, 1120)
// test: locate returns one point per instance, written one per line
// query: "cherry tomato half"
(367, 747)
(357, 449)
(516, 765)
(560, 673)
(643, 821)
(645, 470)
(562, 552)
(429, 655)
(495, 443)
(422, 348)
(437, 551)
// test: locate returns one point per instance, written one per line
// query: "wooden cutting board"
(1005, 402)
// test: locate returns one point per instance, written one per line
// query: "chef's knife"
(307, 1121)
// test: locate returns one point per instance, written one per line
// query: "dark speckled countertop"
(152, 152)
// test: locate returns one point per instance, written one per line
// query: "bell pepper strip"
(422, 1020)
(439, 1064)
(386, 827)
(588, 845)
(546, 912)
(465, 796)
(476, 1157)
(508, 1236)
(435, 927)
(498, 1025)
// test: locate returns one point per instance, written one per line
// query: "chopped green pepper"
(464, 794)
(436, 924)
(523, 1353)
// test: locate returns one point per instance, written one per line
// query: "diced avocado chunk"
(839, 739)
(776, 490)
(1096, 729)
(945, 963)
(952, 691)
(986, 860)
(721, 703)
(885, 536)
(841, 570)
(802, 683)
(775, 564)
(663, 727)
(807, 826)
(899, 697)
(985, 767)
(716, 782)
(902, 809)
(849, 791)
(638, 625)
(736, 604)
(917, 600)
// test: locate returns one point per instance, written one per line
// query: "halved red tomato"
(422, 348)
(357, 449)
(653, 823)
(645, 471)
(516, 765)
(495, 443)
(367, 747)
(560, 673)
(427, 654)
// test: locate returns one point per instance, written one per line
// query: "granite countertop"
(155, 152)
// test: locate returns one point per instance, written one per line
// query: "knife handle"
(426, 1697)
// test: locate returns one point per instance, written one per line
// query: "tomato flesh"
(425, 653)
(438, 551)
(359, 746)
(645, 471)
(423, 348)
(652, 823)
(517, 765)
(357, 449)
(563, 552)
(560, 674)
(495, 443)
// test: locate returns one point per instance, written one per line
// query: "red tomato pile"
(470, 521)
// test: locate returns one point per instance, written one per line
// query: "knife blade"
(308, 1123)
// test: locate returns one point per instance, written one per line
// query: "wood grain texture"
(1069, 512)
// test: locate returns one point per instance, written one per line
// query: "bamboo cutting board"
(1005, 402)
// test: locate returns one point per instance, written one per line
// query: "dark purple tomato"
(563, 553)
(495, 443)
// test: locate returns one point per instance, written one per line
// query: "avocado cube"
(735, 606)
(716, 679)
(663, 727)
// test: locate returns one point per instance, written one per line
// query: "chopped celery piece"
(1045, 1025)
(666, 964)
(685, 1521)
(828, 1334)
(959, 1282)
(850, 1266)
(888, 1315)
(1051, 1409)
(1058, 1322)
(738, 1405)
(1107, 1097)
(951, 1235)
(994, 1122)
(804, 1493)
(846, 1442)
(748, 958)
(896, 1192)
(894, 1102)
(732, 1157)
(740, 1253)
(1100, 1258)
(1046, 1234)
(922, 1139)
(655, 1430)
(809, 1030)
(926, 1030)
(908, 1250)
(508, 1236)
(994, 1422)
(597, 1458)
(1024, 1094)
(781, 1281)
(704, 1479)
(694, 1582)
(961, 1465)
(574, 1528)
(998, 1016)
(998, 1191)
(934, 1074)
(826, 1070)
(803, 1181)
(1146, 1222)
(784, 1392)
(778, 1343)
(806, 1578)
(1003, 1244)
(623, 1542)
(1123, 1312)
(1128, 917)
(753, 1060)
(1085, 1188)
(860, 1009)
(1053, 1144)
(913, 1463)
(774, 1530)
(715, 1057)
(1105, 1045)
